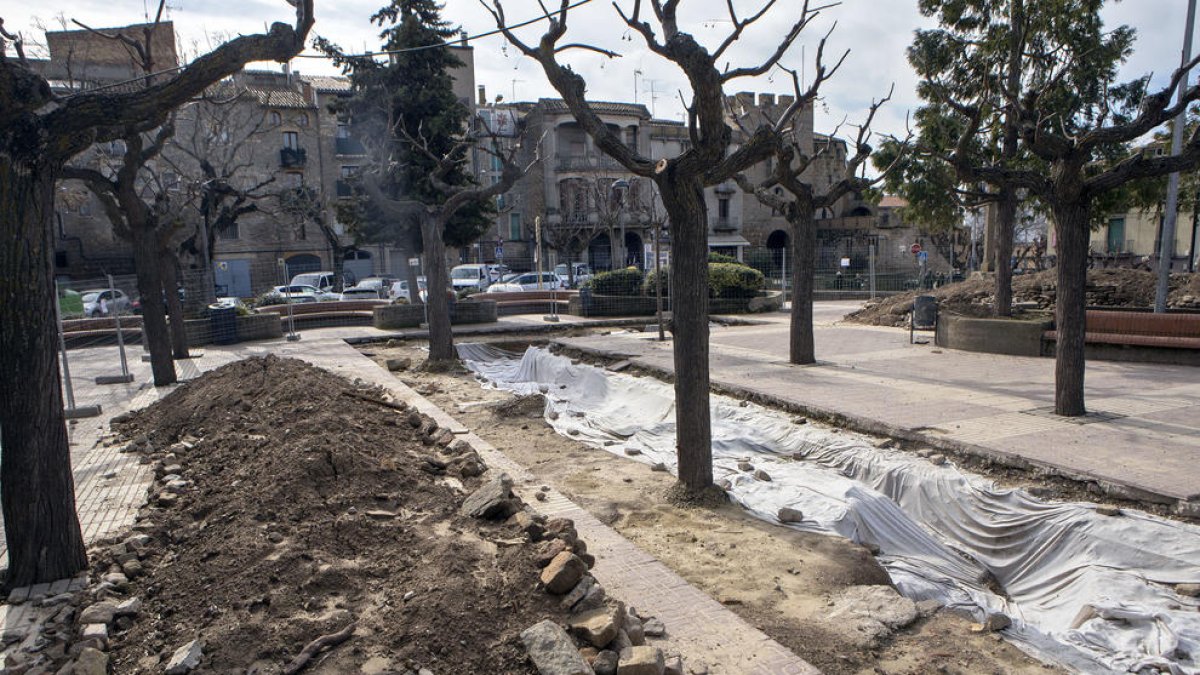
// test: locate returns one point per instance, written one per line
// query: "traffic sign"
(923, 257)
(915, 248)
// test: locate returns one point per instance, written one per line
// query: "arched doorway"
(777, 244)
(301, 263)
(635, 251)
(860, 212)
(600, 253)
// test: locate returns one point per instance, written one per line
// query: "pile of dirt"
(976, 297)
(295, 504)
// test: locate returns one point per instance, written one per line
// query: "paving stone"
(95, 631)
(100, 612)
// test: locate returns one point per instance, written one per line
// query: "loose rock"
(605, 663)
(563, 573)
(598, 627)
(790, 515)
(642, 661)
(491, 501)
(91, 661)
(185, 659)
(552, 651)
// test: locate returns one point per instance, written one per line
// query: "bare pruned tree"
(680, 180)
(432, 218)
(212, 155)
(802, 201)
(39, 134)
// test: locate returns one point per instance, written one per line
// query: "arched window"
(275, 118)
(302, 119)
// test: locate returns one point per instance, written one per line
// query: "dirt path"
(782, 581)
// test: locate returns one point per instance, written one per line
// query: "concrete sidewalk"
(1140, 440)
(111, 487)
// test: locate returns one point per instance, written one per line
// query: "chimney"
(766, 100)
(744, 101)
(786, 101)
(462, 39)
(482, 95)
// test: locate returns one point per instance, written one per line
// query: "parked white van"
(478, 277)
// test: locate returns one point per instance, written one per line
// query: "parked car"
(528, 282)
(360, 293)
(381, 285)
(324, 281)
(233, 302)
(105, 302)
(477, 277)
(582, 273)
(400, 290)
(303, 293)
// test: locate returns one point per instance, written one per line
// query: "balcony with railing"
(292, 157)
(725, 225)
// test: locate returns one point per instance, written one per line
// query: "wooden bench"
(529, 302)
(1140, 329)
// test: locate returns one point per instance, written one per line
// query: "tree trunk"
(441, 337)
(1071, 226)
(150, 287)
(170, 282)
(37, 491)
(1006, 216)
(684, 202)
(804, 254)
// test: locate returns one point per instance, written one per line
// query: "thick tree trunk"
(170, 282)
(37, 491)
(441, 337)
(804, 254)
(1071, 227)
(150, 287)
(1006, 216)
(684, 202)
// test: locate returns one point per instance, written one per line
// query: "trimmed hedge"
(725, 280)
(617, 282)
(729, 280)
(714, 257)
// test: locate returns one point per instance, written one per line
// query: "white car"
(582, 273)
(381, 285)
(400, 289)
(301, 293)
(320, 280)
(360, 293)
(105, 302)
(528, 282)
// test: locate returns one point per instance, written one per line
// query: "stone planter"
(259, 327)
(473, 311)
(995, 336)
(393, 317)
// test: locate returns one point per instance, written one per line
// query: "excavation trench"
(1084, 590)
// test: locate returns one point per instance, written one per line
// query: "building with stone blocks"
(276, 128)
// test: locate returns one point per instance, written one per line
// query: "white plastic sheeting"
(1088, 591)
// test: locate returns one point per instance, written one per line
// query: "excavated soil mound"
(976, 297)
(308, 508)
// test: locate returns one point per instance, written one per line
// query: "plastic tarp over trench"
(1088, 591)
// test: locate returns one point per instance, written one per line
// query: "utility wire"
(468, 38)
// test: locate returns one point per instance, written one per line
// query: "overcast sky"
(875, 31)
